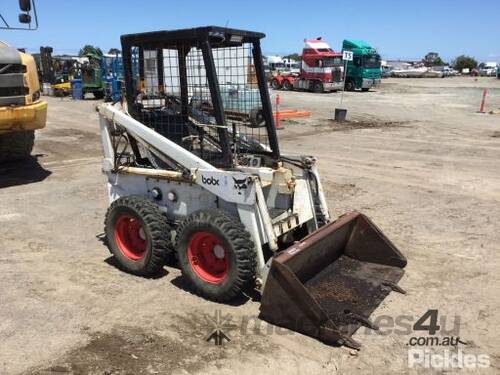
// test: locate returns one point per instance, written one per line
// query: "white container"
(46, 88)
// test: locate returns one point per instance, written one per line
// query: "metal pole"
(277, 122)
(343, 88)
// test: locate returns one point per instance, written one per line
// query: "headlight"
(36, 95)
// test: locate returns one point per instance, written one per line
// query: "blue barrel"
(77, 89)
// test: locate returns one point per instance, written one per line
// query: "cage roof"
(219, 36)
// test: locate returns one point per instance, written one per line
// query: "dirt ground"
(414, 156)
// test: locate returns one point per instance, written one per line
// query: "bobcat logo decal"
(240, 184)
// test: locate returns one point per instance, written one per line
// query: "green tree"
(90, 49)
(114, 51)
(464, 62)
(293, 56)
(433, 59)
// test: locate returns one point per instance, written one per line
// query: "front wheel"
(216, 254)
(275, 84)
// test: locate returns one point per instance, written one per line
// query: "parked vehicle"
(321, 70)
(186, 182)
(58, 71)
(21, 109)
(363, 72)
(488, 69)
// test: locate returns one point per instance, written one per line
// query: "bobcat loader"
(191, 177)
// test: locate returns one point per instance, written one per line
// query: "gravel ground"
(414, 156)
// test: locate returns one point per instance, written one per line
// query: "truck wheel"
(287, 85)
(16, 145)
(317, 87)
(98, 94)
(216, 254)
(349, 86)
(275, 84)
(138, 235)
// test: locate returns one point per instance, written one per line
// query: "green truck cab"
(363, 72)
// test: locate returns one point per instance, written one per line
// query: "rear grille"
(336, 75)
(13, 91)
(12, 68)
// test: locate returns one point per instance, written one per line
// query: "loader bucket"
(327, 285)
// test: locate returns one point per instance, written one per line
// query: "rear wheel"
(256, 117)
(317, 87)
(275, 84)
(216, 254)
(287, 85)
(16, 145)
(98, 94)
(138, 235)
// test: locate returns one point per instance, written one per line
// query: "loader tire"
(16, 145)
(216, 255)
(138, 235)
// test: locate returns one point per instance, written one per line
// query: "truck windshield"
(371, 61)
(332, 61)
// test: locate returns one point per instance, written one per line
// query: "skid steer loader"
(191, 177)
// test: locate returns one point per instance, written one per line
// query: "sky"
(398, 29)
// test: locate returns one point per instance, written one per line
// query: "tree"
(433, 59)
(293, 56)
(90, 49)
(114, 51)
(464, 62)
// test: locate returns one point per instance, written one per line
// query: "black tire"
(317, 87)
(256, 117)
(237, 245)
(275, 84)
(16, 145)
(349, 86)
(98, 94)
(157, 245)
(287, 86)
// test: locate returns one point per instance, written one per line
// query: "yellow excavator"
(21, 109)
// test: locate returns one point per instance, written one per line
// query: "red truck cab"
(321, 70)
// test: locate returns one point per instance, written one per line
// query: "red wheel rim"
(208, 257)
(130, 237)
